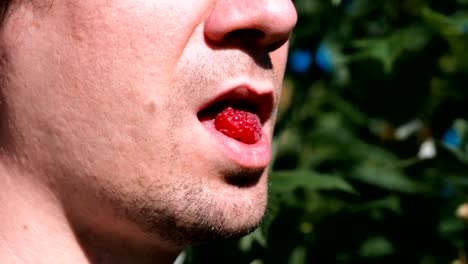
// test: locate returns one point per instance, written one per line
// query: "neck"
(35, 228)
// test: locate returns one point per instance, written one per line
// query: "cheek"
(139, 36)
(89, 83)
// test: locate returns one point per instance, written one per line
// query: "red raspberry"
(240, 125)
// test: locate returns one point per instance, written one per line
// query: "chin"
(196, 213)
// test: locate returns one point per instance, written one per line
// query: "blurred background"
(371, 148)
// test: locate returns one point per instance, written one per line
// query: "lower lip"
(257, 155)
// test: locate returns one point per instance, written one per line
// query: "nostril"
(252, 39)
(247, 38)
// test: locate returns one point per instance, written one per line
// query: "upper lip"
(244, 97)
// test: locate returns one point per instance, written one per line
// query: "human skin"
(106, 155)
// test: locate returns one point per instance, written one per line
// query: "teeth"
(241, 125)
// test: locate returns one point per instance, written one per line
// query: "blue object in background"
(451, 138)
(300, 61)
(324, 58)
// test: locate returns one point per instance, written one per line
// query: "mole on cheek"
(150, 107)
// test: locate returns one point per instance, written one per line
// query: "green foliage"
(371, 148)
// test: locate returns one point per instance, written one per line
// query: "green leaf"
(451, 226)
(286, 181)
(298, 256)
(454, 29)
(453, 25)
(376, 246)
(389, 48)
(391, 203)
(308, 7)
(246, 242)
(386, 178)
(349, 110)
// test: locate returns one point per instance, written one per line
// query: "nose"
(251, 24)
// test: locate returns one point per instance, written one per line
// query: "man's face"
(111, 103)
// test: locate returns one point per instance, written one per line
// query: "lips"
(251, 154)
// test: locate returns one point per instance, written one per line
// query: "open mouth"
(235, 122)
(238, 114)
